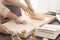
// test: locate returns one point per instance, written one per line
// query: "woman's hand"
(19, 21)
(3, 29)
(31, 9)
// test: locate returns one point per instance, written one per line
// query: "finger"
(31, 9)
(17, 21)
(6, 30)
(23, 22)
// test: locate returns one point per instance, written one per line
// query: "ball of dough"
(23, 32)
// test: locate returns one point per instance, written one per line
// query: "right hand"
(28, 10)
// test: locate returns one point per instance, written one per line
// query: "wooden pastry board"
(29, 27)
(48, 31)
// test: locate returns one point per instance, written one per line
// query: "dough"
(38, 17)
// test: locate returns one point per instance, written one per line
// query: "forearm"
(29, 5)
(12, 16)
(20, 5)
(28, 2)
(15, 2)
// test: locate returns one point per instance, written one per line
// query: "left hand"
(18, 21)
